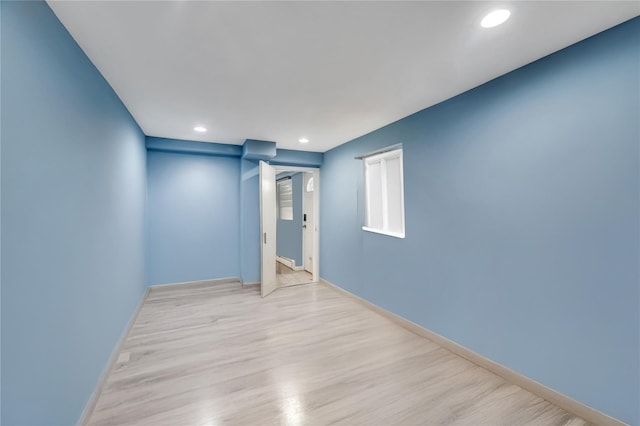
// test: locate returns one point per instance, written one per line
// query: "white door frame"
(316, 213)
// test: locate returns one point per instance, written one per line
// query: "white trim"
(316, 224)
(377, 231)
(565, 402)
(290, 263)
(113, 359)
(404, 223)
(225, 280)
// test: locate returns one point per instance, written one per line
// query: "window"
(285, 199)
(384, 193)
(310, 184)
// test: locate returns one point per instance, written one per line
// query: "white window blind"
(285, 199)
(384, 193)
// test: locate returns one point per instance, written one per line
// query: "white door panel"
(268, 227)
(309, 224)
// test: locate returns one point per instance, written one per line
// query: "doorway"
(289, 205)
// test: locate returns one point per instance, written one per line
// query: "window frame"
(280, 208)
(396, 152)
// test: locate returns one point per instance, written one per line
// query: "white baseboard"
(93, 399)
(290, 263)
(569, 404)
(199, 282)
(251, 284)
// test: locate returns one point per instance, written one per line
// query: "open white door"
(268, 227)
(308, 224)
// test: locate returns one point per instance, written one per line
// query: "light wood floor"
(305, 355)
(286, 276)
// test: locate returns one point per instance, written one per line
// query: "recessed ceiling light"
(303, 140)
(200, 129)
(495, 18)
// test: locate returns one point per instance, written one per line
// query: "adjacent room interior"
(294, 232)
(315, 212)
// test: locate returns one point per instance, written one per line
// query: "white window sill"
(389, 233)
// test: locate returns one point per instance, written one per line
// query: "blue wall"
(247, 260)
(290, 157)
(194, 217)
(73, 207)
(192, 147)
(289, 232)
(522, 231)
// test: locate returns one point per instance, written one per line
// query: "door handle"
(304, 226)
(265, 238)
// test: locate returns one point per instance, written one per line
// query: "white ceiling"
(328, 71)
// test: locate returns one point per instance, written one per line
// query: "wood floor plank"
(221, 354)
(286, 276)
